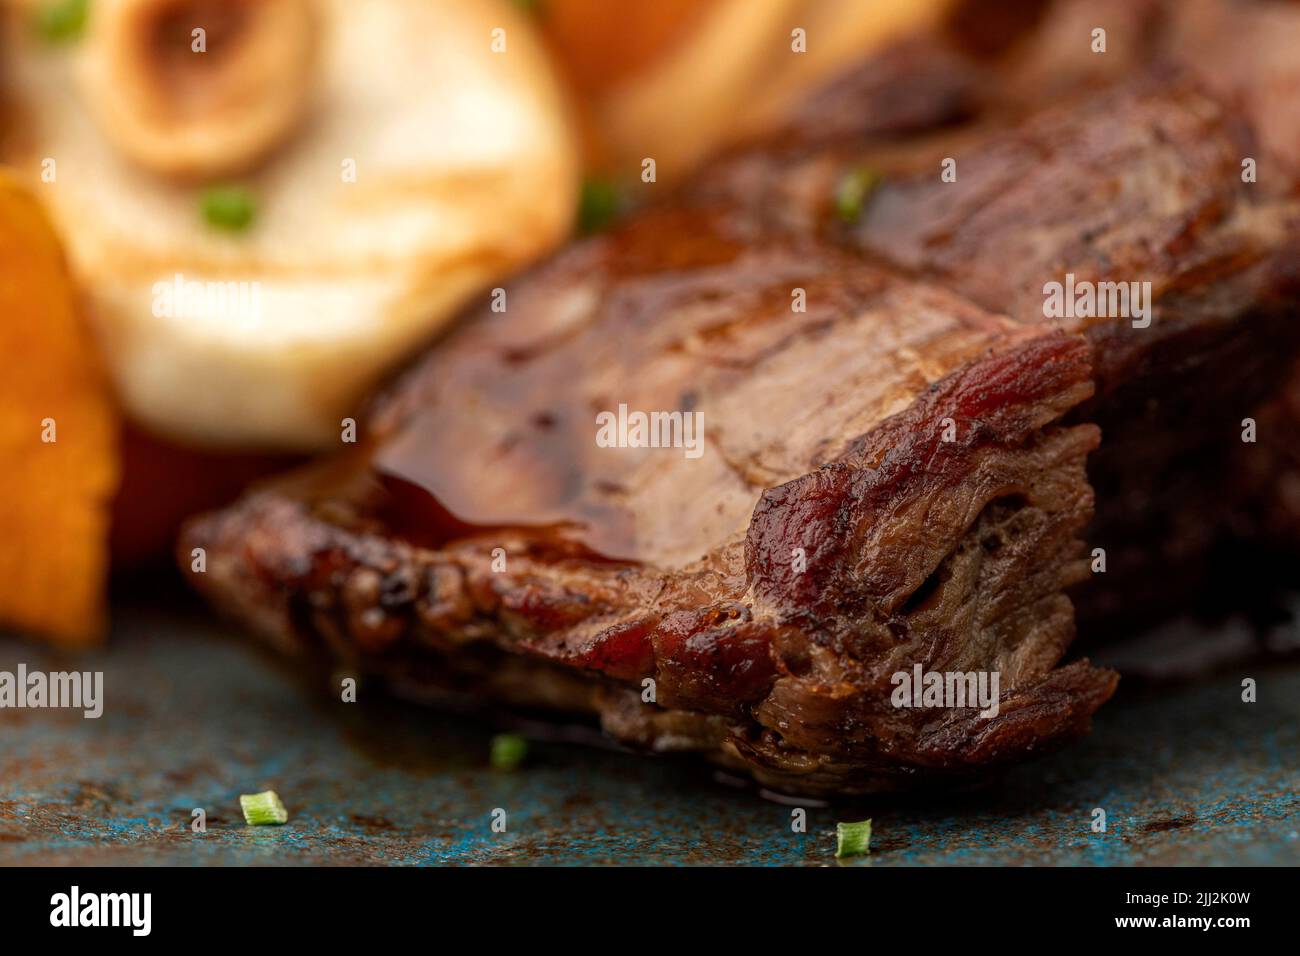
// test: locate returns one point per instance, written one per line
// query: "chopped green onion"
(262, 808)
(852, 839)
(508, 751)
(854, 189)
(62, 21)
(529, 6)
(228, 207)
(599, 204)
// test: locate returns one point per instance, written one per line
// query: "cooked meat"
(891, 476)
(952, 554)
(1223, 260)
(1070, 199)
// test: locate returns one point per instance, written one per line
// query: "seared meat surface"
(1133, 180)
(894, 458)
(952, 554)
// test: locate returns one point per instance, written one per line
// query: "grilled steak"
(891, 467)
(1201, 491)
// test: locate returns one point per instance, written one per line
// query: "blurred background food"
(178, 113)
(57, 437)
(674, 79)
(264, 218)
(405, 166)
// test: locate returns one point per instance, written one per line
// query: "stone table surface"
(196, 714)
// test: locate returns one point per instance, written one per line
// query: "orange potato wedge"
(58, 438)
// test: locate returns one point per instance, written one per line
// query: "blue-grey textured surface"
(195, 715)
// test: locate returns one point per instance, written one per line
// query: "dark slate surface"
(196, 715)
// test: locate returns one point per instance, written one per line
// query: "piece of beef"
(892, 477)
(950, 554)
(1242, 533)
(1223, 260)
(1220, 252)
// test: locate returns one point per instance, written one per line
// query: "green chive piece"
(508, 751)
(854, 189)
(599, 204)
(228, 207)
(529, 6)
(263, 808)
(62, 21)
(852, 839)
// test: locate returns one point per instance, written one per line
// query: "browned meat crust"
(893, 477)
(949, 554)
(1223, 260)
(1140, 180)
